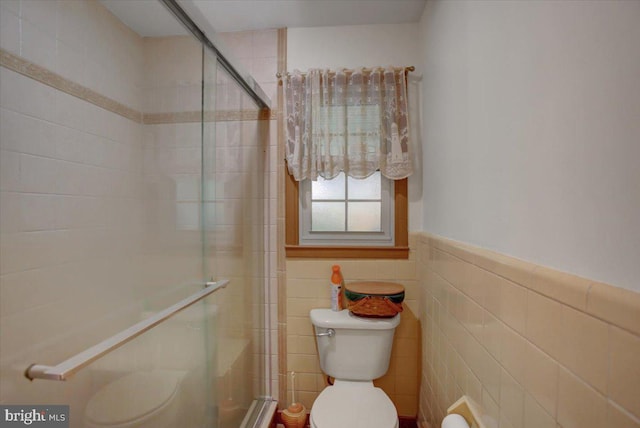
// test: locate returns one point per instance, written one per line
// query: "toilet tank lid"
(326, 318)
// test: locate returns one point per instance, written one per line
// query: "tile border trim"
(614, 305)
(40, 74)
(49, 78)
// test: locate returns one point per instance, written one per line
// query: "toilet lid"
(353, 405)
(132, 397)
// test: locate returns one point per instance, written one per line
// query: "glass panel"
(328, 189)
(367, 188)
(119, 208)
(234, 171)
(364, 216)
(327, 216)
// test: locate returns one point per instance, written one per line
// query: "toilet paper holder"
(469, 410)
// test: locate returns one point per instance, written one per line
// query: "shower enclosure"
(132, 174)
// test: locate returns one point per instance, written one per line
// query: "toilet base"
(353, 404)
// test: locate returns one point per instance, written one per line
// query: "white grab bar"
(69, 367)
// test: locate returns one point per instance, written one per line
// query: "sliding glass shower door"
(126, 186)
(234, 142)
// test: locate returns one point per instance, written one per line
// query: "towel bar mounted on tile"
(68, 368)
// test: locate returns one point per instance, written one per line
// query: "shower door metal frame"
(244, 80)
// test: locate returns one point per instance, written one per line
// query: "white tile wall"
(88, 211)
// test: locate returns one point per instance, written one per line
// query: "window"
(347, 211)
(346, 124)
(294, 240)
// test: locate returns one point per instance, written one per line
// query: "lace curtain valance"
(355, 122)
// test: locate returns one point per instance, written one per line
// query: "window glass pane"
(364, 216)
(328, 189)
(368, 188)
(327, 216)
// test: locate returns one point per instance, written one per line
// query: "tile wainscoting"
(534, 346)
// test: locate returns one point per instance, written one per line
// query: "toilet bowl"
(354, 351)
(357, 405)
(140, 399)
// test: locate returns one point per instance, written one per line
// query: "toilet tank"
(360, 348)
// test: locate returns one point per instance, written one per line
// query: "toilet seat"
(349, 404)
(137, 398)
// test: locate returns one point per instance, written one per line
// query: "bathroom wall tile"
(541, 377)
(624, 376)
(455, 248)
(543, 316)
(405, 366)
(504, 422)
(515, 270)
(12, 6)
(455, 271)
(474, 387)
(582, 335)
(9, 170)
(511, 399)
(41, 14)
(9, 30)
(564, 287)
(619, 418)
(264, 69)
(406, 404)
(72, 21)
(308, 269)
(615, 305)
(513, 305)
(317, 288)
(26, 134)
(513, 354)
(387, 382)
(535, 416)
(38, 174)
(307, 345)
(37, 46)
(404, 270)
(306, 382)
(559, 388)
(306, 398)
(264, 43)
(298, 326)
(491, 284)
(491, 409)
(21, 94)
(489, 373)
(474, 316)
(579, 405)
(492, 333)
(300, 307)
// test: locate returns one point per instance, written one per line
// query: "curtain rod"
(349, 71)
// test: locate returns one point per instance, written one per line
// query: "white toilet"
(354, 351)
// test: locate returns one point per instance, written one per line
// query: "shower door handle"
(329, 333)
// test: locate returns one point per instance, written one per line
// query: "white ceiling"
(150, 18)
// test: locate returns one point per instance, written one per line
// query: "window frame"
(293, 249)
(383, 237)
